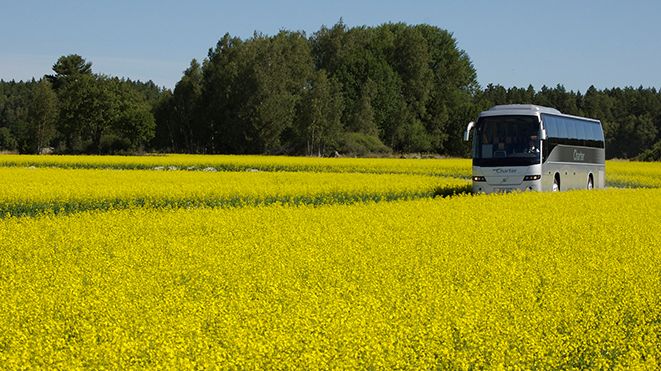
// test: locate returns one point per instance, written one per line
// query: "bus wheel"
(590, 182)
(556, 183)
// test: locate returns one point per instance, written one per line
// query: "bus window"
(581, 129)
(552, 126)
(570, 125)
(563, 131)
(508, 137)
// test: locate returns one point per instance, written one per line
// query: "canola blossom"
(618, 173)
(32, 191)
(282, 262)
(440, 167)
(525, 280)
(633, 174)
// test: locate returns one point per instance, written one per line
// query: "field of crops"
(31, 191)
(317, 267)
(446, 167)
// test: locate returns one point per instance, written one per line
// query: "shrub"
(359, 144)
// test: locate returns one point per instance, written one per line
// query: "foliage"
(652, 154)
(94, 107)
(296, 95)
(7, 140)
(319, 115)
(76, 110)
(42, 116)
(360, 144)
(68, 68)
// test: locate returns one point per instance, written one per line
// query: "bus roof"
(519, 109)
(528, 109)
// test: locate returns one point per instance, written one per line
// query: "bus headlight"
(531, 177)
(479, 179)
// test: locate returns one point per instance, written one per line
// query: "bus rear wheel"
(556, 183)
(590, 182)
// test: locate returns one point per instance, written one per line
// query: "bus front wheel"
(556, 183)
(590, 182)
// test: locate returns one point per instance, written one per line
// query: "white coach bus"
(528, 147)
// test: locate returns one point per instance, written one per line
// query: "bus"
(529, 147)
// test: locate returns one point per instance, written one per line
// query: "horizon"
(608, 47)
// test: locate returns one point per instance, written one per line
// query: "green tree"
(319, 115)
(226, 87)
(42, 116)
(597, 105)
(165, 138)
(15, 114)
(7, 140)
(631, 136)
(133, 125)
(412, 63)
(87, 111)
(450, 105)
(69, 67)
(363, 119)
(282, 66)
(186, 99)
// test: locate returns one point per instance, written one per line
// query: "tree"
(69, 67)
(42, 116)
(72, 65)
(363, 119)
(450, 105)
(188, 133)
(7, 140)
(412, 62)
(320, 113)
(226, 87)
(14, 114)
(597, 105)
(87, 111)
(133, 126)
(166, 126)
(99, 112)
(630, 136)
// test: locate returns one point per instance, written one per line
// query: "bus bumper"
(485, 187)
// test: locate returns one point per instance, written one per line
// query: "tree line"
(77, 111)
(357, 91)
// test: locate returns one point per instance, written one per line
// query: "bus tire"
(590, 182)
(556, 183)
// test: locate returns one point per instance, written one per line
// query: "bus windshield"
(506, 141)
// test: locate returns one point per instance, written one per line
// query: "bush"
(359, 144)
(651, 154)
(114, 144)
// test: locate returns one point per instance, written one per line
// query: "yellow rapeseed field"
(443, 167)
(619, 173)
(633, 174)
(528, 280)
(31, 191)
(281, 262)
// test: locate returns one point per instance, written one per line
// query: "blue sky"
(512, 43)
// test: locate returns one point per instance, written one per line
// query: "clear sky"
(513, 43)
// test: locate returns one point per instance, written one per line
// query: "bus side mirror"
(467, 133)
(542, 134)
